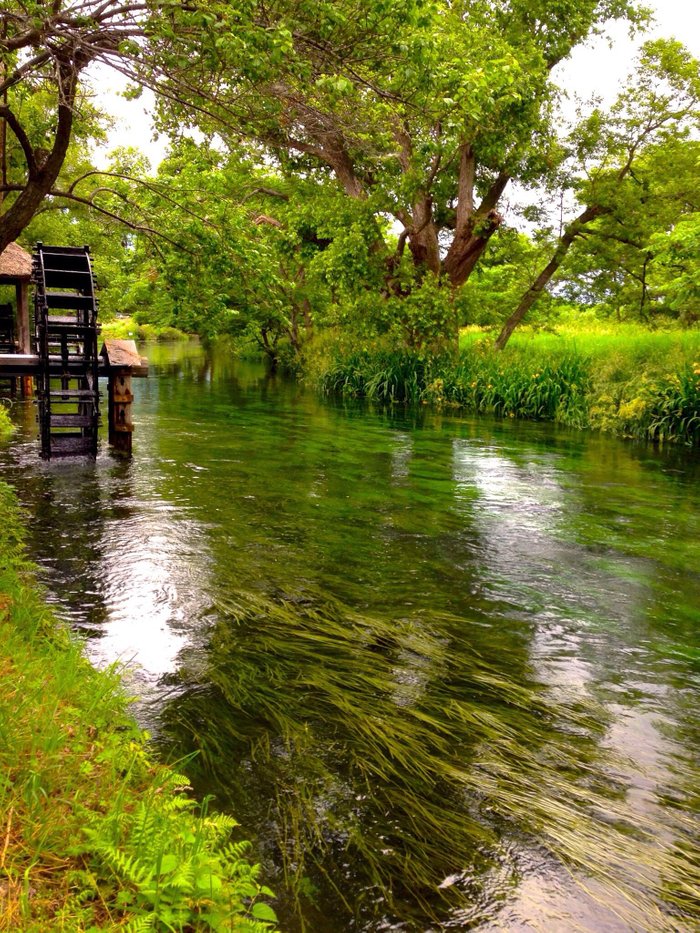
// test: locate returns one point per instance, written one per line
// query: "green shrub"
(127, 328)
(6, 426)
(674, 411)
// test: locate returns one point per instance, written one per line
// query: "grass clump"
(628, 382)
(94, 834)
(6, 427)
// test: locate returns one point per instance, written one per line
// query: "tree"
(612, 265)
(423, 111)
(675, 275)
(661, 104)
(45, 49)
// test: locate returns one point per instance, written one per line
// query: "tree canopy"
(352, 159)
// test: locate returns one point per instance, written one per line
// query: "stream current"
(443, 670)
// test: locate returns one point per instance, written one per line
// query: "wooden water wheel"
(66, 342)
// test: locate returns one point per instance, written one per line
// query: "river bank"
(442, 668)
(94, 833)
(626, 381)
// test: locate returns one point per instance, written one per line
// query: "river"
(443, 670)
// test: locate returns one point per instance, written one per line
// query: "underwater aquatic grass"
(397, 756)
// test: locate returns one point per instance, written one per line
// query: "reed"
(630, 382)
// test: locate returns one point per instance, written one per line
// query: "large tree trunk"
(475, 225)
(422, 237)
(468, 247)
(535, 290)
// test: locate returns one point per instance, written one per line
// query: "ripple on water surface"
(444, 671)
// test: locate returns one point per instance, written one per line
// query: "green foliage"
(480, 381)
(676, 269)
(423, 319)
(6, 427)
(627, 264)
(510, 265)
(174, 879)
(96, 834)
(128, 329)
(634, 384)
(661, 408)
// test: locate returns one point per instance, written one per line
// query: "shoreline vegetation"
(126, 328)
(616, 378)
(623, 379)
(94, 832)
(6, 427)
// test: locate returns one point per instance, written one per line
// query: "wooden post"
(23, 333)
(122, 363)
(121, 424)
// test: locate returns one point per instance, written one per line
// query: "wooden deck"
(27, 364)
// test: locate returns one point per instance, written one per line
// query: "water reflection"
(443, 671)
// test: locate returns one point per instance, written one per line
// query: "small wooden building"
(16, 269)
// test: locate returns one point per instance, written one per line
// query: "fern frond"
(126, 867)
(141, 924)
(235, 851)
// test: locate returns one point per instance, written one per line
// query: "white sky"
(593, 69)
(596, 68)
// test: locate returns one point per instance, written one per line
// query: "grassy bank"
(126, 328)
(627, 381)
(5, 423)
(93, 833)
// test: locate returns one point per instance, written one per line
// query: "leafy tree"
(660, 105)
(675, 275)
(44, 50)
(512, 261)
(611, 265)
(227, 259)
(424, 111)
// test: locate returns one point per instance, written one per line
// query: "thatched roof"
(15, 264)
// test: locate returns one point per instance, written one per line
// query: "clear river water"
(443, 670)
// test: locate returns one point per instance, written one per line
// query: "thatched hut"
(16, 269)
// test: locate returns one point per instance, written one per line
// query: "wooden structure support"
(65, 322)
(61, 356)
(16, 269)
(122, 361)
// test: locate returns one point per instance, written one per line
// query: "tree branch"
(130, 225)
(19, 131)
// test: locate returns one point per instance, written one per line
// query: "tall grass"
(5, 423)
(630, 382)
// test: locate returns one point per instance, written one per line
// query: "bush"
(6, 426)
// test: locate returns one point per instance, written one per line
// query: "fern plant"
(176, 867)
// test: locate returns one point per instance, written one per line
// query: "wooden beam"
(23, 335)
